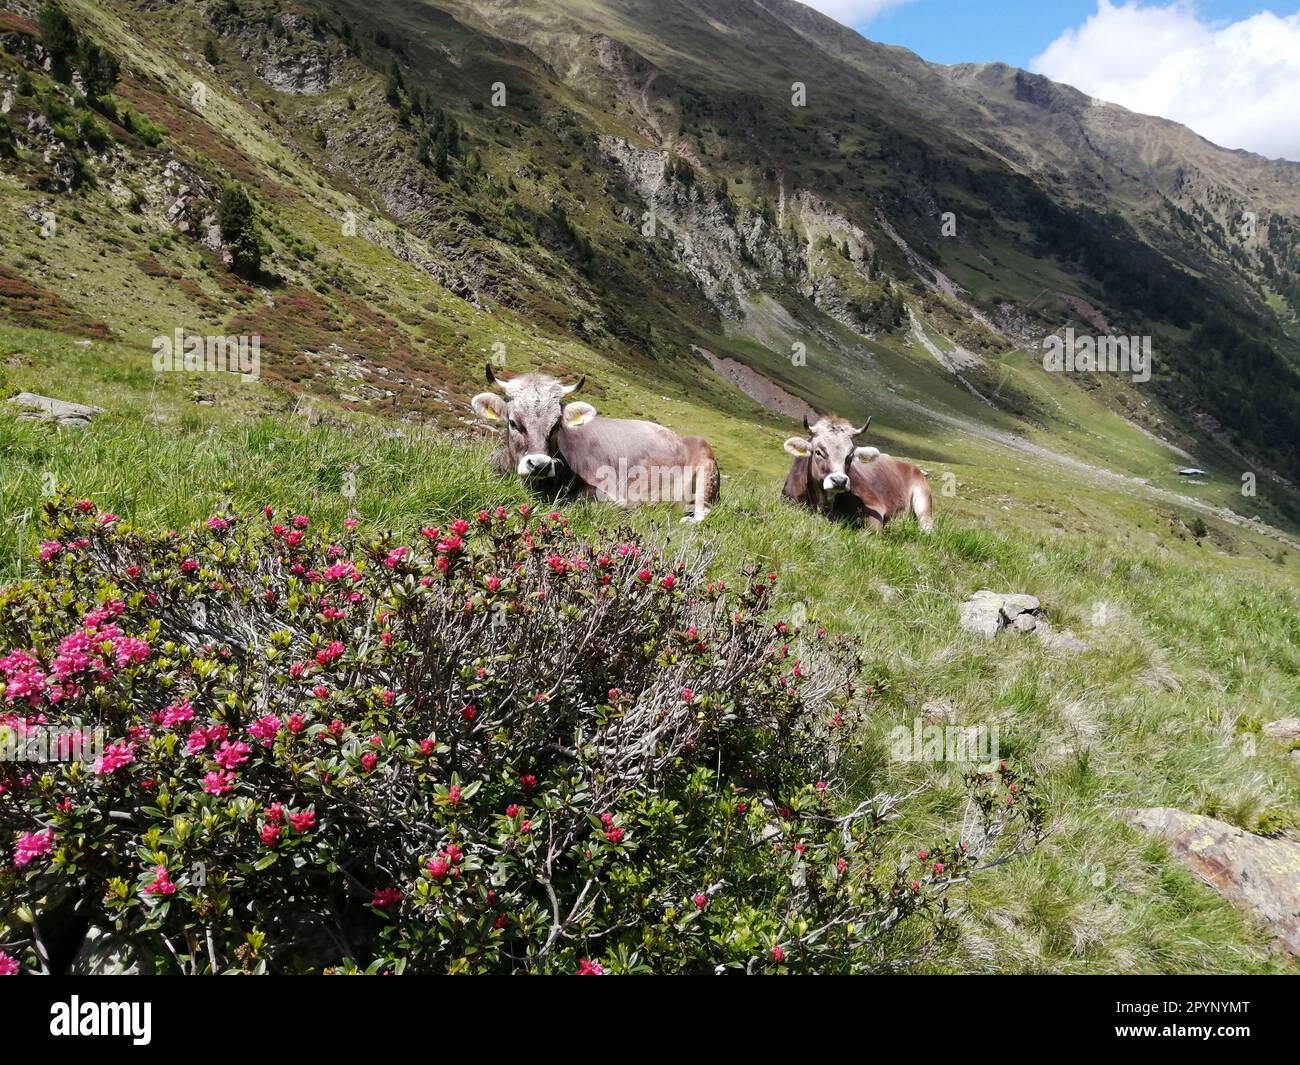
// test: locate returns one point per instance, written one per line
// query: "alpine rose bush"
(491, 748)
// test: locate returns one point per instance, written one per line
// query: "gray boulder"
(1284, 729)
(61, 412)
(988, 613)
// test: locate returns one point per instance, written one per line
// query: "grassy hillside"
(1191, 651)
(800, 244)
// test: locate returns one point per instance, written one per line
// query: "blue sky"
(1009, 31)
(1229, 69)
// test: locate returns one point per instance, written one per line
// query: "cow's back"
(884, 484)
(634, 455)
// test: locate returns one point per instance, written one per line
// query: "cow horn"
(859, 432)
(570, 389)
(491, 377)
(807, 426)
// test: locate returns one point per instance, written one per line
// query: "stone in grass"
(1284, 729)
(1059, 641)
(58, 411)
(982, 613)
(937, 713)
(1258, 875)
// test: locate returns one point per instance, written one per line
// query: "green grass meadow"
(1191, 647)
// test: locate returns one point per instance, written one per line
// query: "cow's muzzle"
(536, 466)
(836, 482)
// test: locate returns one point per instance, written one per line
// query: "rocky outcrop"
(299, 56)
(988, 613)
(58, 411)
(1258, 875)
(309, 72)
(731, 251)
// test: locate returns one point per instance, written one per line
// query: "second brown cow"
(836, 476)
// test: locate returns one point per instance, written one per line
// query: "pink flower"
(587, 967)
(218, 782)
(270, 833)
(129, 650)
(438, 868)
(230, 755)
(217, 523)
(33, 844)
(700, 901)
(513, 810)
(189, 565)
(161, 883)
(176, 714)
(469, 712)
(303, 820)
(8, 966)
(778, 955)
(115, 757)
(453, 795)
(369, 760)
(938, 867)
(644, 575)
(668, 582)
(688, 695)
(615, 835)
(297, 723)
(386, 898)
(265, 729)
(50, 548)
(302, 521)
(528, 782)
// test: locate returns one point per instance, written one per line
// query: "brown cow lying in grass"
(568, 447)
(834, 476)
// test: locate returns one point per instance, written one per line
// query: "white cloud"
(1237, 84)
(853, 13)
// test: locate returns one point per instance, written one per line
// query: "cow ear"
(798, 447)
(576, 414)
(866, 454)
(489, 405)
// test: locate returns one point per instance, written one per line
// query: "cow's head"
(831, 448)
(530, 411)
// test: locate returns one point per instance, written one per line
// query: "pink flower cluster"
(32, 845)
(116, 756)
(161, 883)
